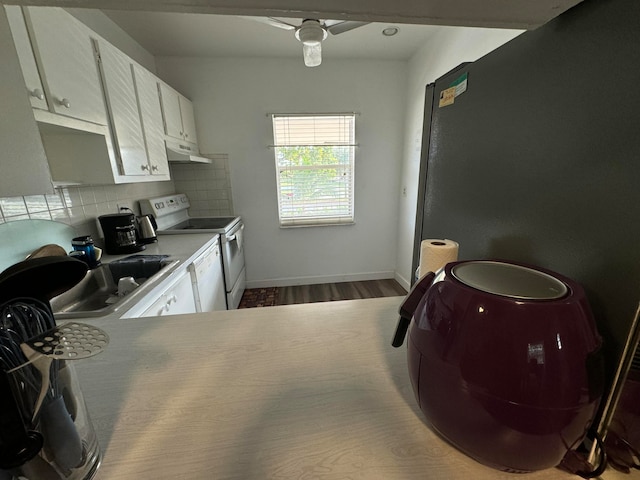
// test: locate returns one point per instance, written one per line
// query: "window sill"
(303, 225)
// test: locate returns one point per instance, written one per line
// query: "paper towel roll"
(435, 254)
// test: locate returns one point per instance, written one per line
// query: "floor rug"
(259, 297)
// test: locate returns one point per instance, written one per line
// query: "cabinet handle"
(144, 167)
(186, 135)
(172, 299)
(37, 93)
(65, 103)
(154, 168)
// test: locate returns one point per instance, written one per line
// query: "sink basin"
(96, 294)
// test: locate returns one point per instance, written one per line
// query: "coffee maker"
(120, 233)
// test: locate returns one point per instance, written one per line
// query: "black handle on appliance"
(408, 307)
(154, 224)
(17, 444)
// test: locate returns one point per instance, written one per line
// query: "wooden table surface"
(309, 391)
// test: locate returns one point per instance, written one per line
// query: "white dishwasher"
(208, 279)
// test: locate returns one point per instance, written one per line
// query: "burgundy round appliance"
(504, 360)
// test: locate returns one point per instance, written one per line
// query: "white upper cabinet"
(66, 58)
(24, 169)
(188, 120)
(171, 111)
(178, 115)
(122, 105)
(27, 60)
(96, 115)
(151, 114)
(136, 148)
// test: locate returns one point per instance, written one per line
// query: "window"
(314, 166)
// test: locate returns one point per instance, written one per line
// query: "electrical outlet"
(404, 191)
(121, 206)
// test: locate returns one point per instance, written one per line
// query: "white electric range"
(172, 217)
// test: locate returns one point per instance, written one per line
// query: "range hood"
(183, 152)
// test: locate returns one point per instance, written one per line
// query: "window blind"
(314, 157)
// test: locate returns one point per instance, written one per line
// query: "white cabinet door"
(67, 62)
(177, 299)
(171, 111)
(177, 110)
(188, 120)
(24, 169)
(151, 114)
(27, 60)
(120, 95)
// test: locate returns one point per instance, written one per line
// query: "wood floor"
(326, 292)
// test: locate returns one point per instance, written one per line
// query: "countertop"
(290, 392)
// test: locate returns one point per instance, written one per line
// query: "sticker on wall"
(447, 97)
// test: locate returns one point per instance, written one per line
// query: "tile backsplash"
(208, 187)
(79, 206)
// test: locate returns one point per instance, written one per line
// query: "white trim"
(402, 281)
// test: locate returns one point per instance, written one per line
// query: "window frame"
(343, 147)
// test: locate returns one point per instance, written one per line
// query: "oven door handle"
(234, 235)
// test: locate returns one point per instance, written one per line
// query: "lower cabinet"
(176, 299)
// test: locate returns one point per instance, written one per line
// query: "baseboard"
(314, 280)
(406, 284)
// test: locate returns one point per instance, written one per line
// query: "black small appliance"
(120, 233)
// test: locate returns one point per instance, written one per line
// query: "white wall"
(232, 99)
(448, 48)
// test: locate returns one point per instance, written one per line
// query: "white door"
(27, 60)
(151, 114)
(188, 120)
(171, 111)
(63, 45)
(177, 299)
(208, 280)
(121, 98)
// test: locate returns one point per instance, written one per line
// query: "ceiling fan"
(311, 33)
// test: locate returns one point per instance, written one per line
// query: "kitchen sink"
(96, 295)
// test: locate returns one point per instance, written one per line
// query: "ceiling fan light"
(311, 32)
(312, 54)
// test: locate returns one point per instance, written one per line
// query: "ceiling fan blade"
(338, 28)
(274, 22)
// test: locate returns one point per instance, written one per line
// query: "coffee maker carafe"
(120, 233)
